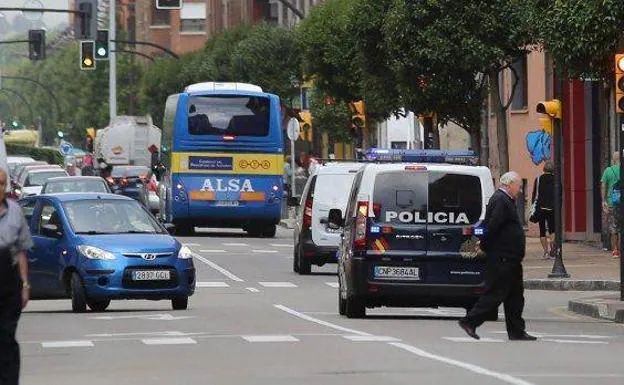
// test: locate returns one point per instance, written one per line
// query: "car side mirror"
(52, 231)
(293, 202)
(170, 227)
(334, 219)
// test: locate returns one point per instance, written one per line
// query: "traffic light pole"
(558, 269)
(112, 70)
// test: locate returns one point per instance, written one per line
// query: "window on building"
(193, 17)
(520, 99)
(160, 16)
(273, 12)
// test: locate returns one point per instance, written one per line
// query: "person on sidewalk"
(14, 288)
(610, 191)
(504, 244)
(544, 193)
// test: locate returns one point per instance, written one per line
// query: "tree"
(333, 119)
(440, 51)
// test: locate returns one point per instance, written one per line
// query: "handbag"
(534, 212)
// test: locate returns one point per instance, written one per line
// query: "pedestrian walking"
(14, 288)
(504, 244)
(543, 199)
(611, 193)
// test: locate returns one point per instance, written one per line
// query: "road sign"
(66, 148)
(293, 129)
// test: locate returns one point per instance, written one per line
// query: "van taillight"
(359, 241)
(377, 209)
(307, 213)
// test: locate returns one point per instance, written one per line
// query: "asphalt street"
(253, 321)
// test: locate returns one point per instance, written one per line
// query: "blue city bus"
(223, 157)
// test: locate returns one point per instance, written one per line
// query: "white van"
(328, 187)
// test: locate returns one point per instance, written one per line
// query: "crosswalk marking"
(191, 244)
(281, 245)
(253, 289)
(235, 244)
(561, 341)
(335, 285)
(212, 284)
(277, 284)
(267, 338)
(264, 251)
(358, 338)
(67, 344)
(470, 339)
(169, 341)
(212, 251)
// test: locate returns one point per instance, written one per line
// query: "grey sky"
(51, 19)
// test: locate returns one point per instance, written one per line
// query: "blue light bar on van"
(460, 157)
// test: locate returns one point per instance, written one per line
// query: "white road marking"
(281, 245)
(264, 251)
(335, 285)
(277, 284)
(191, 244)
(371, 339)
(320, 322)
(235, 244)
(412, 349)
(470, 339)
(219, 269)
(473, 368)
(212, 284)
(169, 341)
(153, 317)
(284, 338)
(163, 334)
(586, 342)
(67, 344)
(212, 251)
(252, 289)
(589, 336)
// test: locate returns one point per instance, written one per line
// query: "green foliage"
(50, 155)
(333, 119)
(580, 35)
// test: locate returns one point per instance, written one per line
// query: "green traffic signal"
(101, 45)
(15, 123)
(60, 134)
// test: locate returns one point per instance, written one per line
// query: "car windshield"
(75, 185)
(109, 216)
(130, 171)
(39, 178)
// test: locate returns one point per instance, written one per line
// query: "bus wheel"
(270, 231)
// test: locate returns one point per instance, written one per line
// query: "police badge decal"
(470, 248)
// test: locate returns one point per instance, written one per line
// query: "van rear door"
(332, 192)
(455, 206)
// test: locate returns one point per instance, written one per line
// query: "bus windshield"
(234, 115)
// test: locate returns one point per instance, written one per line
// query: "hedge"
(49, 155)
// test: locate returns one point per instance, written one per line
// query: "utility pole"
(112, 69)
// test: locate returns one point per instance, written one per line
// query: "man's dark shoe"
(523, 337)
(468, 329)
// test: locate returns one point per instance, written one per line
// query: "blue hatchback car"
(94, 248)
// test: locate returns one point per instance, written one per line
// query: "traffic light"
(358, 116)
(85, 22)
(36, 44)
(87, 55)
(89, 140)
(60, 134)
(305, 122)
(101, 45)
(619, 83)
(551, 108)
(168, 4)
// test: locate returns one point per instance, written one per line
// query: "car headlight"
(185, 253)
(92, 252)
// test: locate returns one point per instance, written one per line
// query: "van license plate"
(227, 203)
(151, 275)
(395, 272)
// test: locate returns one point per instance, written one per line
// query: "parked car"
(328, 187)
(66, 184)
(94, 248)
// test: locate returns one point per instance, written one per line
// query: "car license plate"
(151, 275)
(227, 203)
(395, 272)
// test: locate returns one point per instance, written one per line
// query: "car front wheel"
(78, 296)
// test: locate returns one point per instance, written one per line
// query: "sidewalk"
(607, 307)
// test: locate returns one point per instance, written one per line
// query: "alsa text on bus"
(230, 185)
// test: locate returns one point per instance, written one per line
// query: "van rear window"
(431, 197)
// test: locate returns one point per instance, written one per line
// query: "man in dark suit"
(505, 244)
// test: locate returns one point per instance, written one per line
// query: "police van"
(411, 231)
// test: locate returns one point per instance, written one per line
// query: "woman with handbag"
(543, 208)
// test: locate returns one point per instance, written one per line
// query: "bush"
(49, 155)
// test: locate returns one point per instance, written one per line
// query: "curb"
(572, 284)
(599, 308)
(286, 224)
